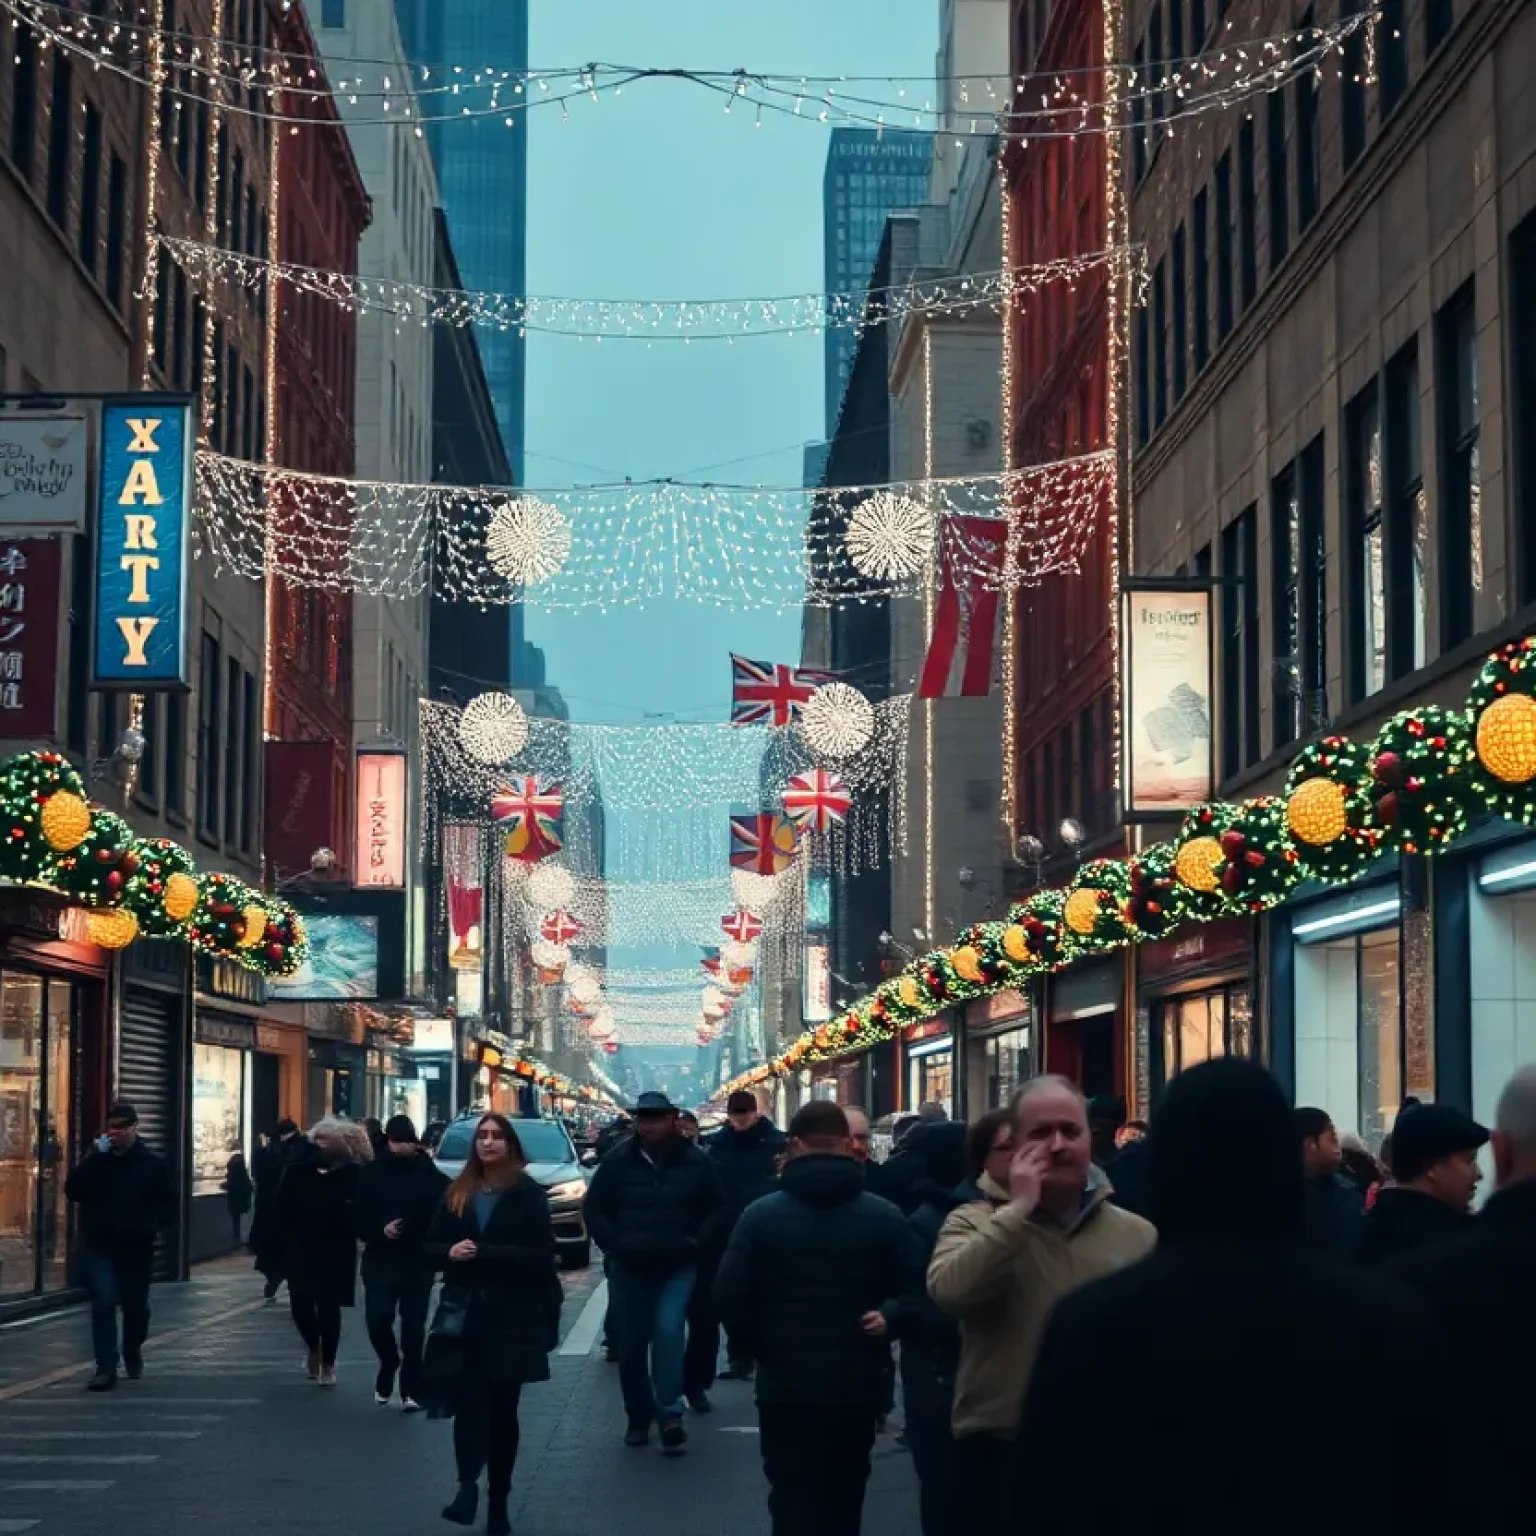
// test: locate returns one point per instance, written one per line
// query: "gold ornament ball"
(967, 963)
(180, 898)
(1016, 944)
(66, 821)
(1317, 813)
(1082, 911)
(254, 926)
(1196, 863)
(116, 928)
(1506, 739)
(906, 990)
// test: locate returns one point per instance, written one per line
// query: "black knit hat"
(122, 1113)
(1425, 1134)
(401, 1128)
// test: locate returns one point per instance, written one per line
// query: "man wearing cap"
(1434, 1166)
(397, 1196)
(126, 1198)
(656, 1207)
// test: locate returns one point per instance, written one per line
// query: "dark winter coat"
(1481, 1289)
(126, 1199)
(1401, 1220)
(1335, 1215)
(747, 1162)
(267, 1170)
(803, 1266)
(390, 1188)
(1127, 1175)
(1232, 1326)
(903, 1177)
(929, 1336)
(314, 1213)
(511, 1285)
(656, 1214)
(237, 1185)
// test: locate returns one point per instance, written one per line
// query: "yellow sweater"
(1000, 1273)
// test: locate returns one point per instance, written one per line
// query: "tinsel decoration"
(218, 925)
(1156, 902)
(1198, 857)
(66, 821)
(1094, 912)
(98, 870)
(1043, 919)
(165, 869)
(1259, 867)
(1427, 788)
(1502, 706)
(27, 783)
(1330, 811)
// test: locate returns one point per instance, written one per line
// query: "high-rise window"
(234, 755)
(1522, 348)
(1354, 85)
(1159, 345)
(61, 139)
(210, 746)
(1439, 18)
(1461, 508)
(24, 103)
(1279, 182)
(1407, 515)
(117, 228)
(1139, 116)
(1175, 34)
(1180, 299)
(1143, 378)
(159, 326)
(1309, 159)
(1199, 218)
(1224, 315)
(1300, 597)
(176, 754)
(90, 189)
(1247, 213)
(1196, 25)
(248, 800)
(1392, 56)
(149, 761)
(1240, 648)
(1366, 533)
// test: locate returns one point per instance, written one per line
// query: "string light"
(928, 613)
(527, 541)
(1008, 680)
(551, 887)
(837, 722)
(493, 728)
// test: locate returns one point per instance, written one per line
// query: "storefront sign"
(237, 1034)
(29, 636)
(143, 544)
(1225, 944)
(1169, 756)
(219, 977)
(301, 803)
(380, 862)
(30, 914)
(817, 1002)
(929, 1030)
(42, 474)
(1001, 1008)
(433, 1036)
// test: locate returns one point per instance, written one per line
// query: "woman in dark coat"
(314, 1214)
(493, 1236)
(237, 1192)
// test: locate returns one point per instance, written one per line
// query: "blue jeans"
(118, 1280)
(651, 1313)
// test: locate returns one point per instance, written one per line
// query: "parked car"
(552, 1162)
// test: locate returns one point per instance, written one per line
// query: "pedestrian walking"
(1435, 1174)
(1106, 1120)
(316, 1220)
(493, 1236)
(655, 1206)
(862, 1139)
(811, 1276)
(747, 1150)
(376, 1139)
(1236, 1325)
(1479, 1287)
(1003, 1262)
(126, 1200)
(397, 1197)
(1335, 1206)
(266, 1239)
(237, 1189)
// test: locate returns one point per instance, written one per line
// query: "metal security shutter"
(149, 1076)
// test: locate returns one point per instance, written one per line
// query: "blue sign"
(143, 543)
(818, 904)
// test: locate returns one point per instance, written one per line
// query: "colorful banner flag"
(764, 843)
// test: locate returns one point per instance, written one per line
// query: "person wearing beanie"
(1435, 1174)
(397, 1196)
(1237, 1333)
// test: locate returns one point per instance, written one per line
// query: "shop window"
(1461, 503)
(1204, 1026)
(1407, 515)
(1279, 182)
(1309, 163)
(1240, 650)
(1381, 1057)
(1008, 1066)
(1354, 83)
(218, 1114)
(1392, 56)
(1366, 534)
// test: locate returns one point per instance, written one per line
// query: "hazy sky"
(660, 194)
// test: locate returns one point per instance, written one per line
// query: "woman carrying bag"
(499, 1316)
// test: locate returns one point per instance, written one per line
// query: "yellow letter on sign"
(136, 633)
(141, 486)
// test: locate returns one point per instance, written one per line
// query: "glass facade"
(1200, 1026)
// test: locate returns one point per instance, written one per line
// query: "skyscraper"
(870, 173)
(482, 176)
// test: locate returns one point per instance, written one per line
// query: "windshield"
(544, 1141)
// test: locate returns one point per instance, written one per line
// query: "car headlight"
(572, 1189)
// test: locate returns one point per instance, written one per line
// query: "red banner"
(29, 637)
(301, 803)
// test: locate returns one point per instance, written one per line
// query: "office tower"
(870, 173)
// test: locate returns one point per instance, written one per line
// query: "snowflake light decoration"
(550, 887)
(737, 956)
(837, 721)
(493, 728)
(527, 541)
(756, 893)
(890, 537)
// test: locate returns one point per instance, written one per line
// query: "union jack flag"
(742, 926)
(817, 801)
(763, 843)
(530, 810)
(559, 927)
(770, 693)
(712, 964)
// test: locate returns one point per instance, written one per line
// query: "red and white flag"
(964, 640)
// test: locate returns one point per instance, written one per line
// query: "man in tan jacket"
(1002, 1262)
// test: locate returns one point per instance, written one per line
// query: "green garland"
(1502, 707)
(1258, 867)
(218, 924)
(1427, 790)
(1094, 912)
(1328, 795)
(98, 871)
(1041, 916)
(27, 782)
(1156, 903)
(149, 887)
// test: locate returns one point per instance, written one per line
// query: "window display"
(218, 1114)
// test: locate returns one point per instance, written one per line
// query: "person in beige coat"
(1002, 1262)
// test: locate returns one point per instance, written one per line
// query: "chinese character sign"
(29, 637)
(143, 543)
(380, 861)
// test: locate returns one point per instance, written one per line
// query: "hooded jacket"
(747, 1161)
(803, 1267)
(1237, 1335)
(999, 1272)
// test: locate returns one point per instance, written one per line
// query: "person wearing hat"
(126, 1199)
(397, 1196)
(1435, 1174)
(657, 1208)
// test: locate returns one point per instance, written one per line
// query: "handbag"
(451, 1316)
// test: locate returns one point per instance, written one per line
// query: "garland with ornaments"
(124, 886)
(1417, 788)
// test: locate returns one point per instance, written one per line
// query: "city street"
(225, 1424)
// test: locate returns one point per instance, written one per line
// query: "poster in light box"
(343, 963)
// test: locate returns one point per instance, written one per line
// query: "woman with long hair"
(314, 1214)
(493, 1236)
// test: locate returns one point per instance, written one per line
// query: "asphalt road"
(225, 1427)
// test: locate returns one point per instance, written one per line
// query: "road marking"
(59, 1400)
(85, 1425)
(17, 1525)
(585, 1329)
(59, 1485)
(38, 1319)
(75, 1433)
(76, 1461)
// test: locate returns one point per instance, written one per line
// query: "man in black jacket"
(1434, 1164)
(810, 1279)
(397, 1196)
(746, 1150)
(126, 1198)
(1335, 1205)
(655, 1206)
(265, 1239)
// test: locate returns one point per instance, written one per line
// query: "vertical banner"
(1168, 751)
(462, 872)
(143, 544)
(380, 846)
(29, 637)
(301, 800)
(817, 1000)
